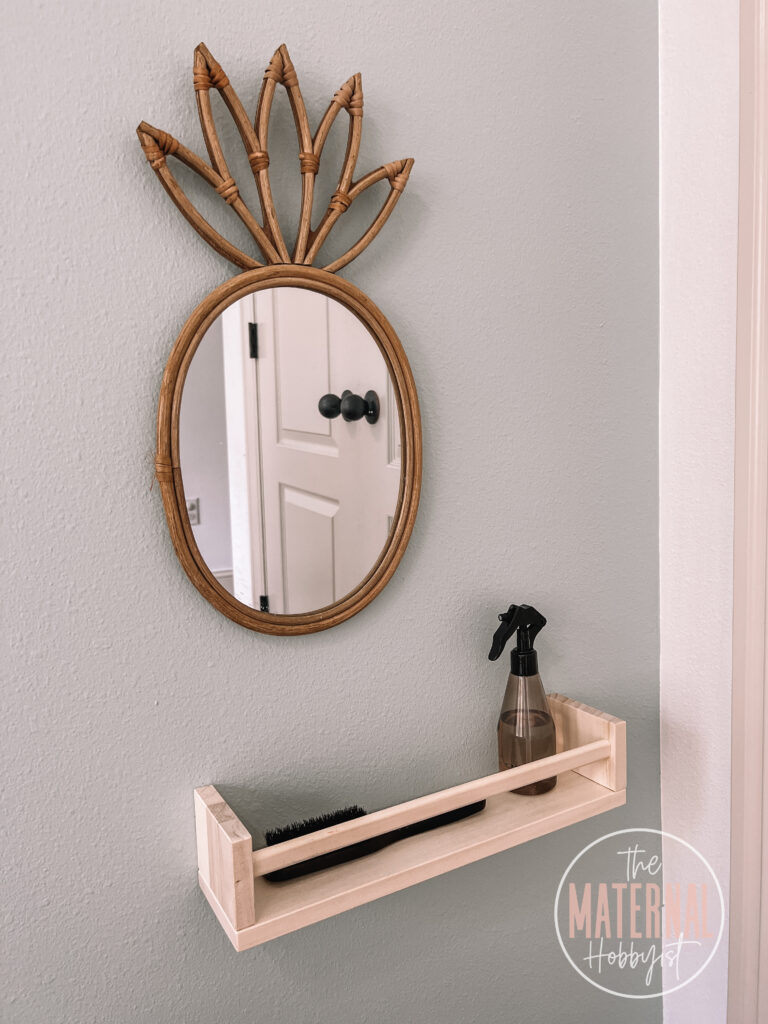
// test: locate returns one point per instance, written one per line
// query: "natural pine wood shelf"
(591, 769)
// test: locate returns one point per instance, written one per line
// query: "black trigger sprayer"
(526, 730)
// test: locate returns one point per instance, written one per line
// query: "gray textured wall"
(520, 270)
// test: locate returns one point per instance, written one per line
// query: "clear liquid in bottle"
(524, 736)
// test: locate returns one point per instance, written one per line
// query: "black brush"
(347, 853)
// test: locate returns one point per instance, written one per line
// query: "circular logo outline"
(666, 835)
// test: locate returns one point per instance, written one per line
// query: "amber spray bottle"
(526, 729)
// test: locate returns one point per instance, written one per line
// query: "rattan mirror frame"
(282, 268)
(168, 469)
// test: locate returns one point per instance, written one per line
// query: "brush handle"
(361, 849)
(447, 818)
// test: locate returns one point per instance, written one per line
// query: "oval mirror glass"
(289, 448)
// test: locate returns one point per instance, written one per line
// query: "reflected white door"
(317, 531)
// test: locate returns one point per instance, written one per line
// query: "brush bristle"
(303, 828)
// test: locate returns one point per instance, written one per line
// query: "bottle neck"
(525, 694)
(525, 663)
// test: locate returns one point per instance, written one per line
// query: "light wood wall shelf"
(591, 768)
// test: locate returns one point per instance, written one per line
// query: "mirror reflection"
(289, 444)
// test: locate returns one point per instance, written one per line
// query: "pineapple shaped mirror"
(288, 431)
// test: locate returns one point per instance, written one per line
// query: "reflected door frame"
(241, 391)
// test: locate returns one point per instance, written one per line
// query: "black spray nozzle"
(526, 622)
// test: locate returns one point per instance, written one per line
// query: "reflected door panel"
(307, 528)
(344, 466)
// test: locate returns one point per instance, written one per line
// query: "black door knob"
(330, 406)
(351, 407)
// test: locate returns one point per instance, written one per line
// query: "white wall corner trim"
(699, 110)
(748, 964)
